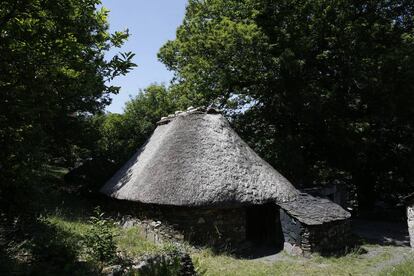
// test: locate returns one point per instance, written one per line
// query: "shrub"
(99, 242)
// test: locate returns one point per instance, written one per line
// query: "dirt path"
(387, 244)
(397, 255)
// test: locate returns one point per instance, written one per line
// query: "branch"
(12, 13)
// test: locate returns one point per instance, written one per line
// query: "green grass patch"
(132, 242)
(352, 264)
(76, 227)
(406, 268)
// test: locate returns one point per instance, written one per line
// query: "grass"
(352, 264)
(132, 242)
(129, 241)
(70, 214)
(405, 268)
(76, 227)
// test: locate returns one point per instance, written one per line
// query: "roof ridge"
(190, 110)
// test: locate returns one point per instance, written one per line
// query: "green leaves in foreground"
(99, 241)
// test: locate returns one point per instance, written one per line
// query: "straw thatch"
(196, 159)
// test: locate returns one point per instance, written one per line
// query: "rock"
(155, 224)
(140, 265)
(212, 110)
(178, 112)
(129, 223)
(187, 266)
(410, 222)
(190, 108)
(292, 249)
(112, 270)
(153, 264)
(179, 236)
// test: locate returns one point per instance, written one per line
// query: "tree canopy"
(322, 89)
(53, 73)
(120, 135)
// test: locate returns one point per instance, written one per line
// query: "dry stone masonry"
(410, 215)
(410, 220)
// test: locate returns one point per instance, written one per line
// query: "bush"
(99, 242)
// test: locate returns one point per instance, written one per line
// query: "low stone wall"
(172, 263)
(165, 264)
(214, 227)
(410, 221)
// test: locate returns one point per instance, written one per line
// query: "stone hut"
(216, 190)
(410, 217)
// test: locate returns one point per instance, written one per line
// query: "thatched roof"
(196, 159)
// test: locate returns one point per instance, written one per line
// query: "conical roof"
(195, 159)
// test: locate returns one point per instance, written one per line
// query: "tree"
(53, 75)
(120, 135)
(325, 88)
(142, 112)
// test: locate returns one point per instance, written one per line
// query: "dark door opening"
(263, 225)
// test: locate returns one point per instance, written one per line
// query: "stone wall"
(226, 227)
(325, 238)
(410, 221)
(292, 229)
(214, 227)
(217, 227)
(166, 263)
(292, 234)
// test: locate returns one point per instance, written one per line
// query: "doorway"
(263, 225)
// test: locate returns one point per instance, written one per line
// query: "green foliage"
(142, 112)
(122, 134)
(99, 241)
(322, 89)
(52, 75)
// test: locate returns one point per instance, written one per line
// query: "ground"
(378, 260)
(371, 259)
(384, 250)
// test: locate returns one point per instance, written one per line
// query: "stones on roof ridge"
(190, 110)
(212, 110)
